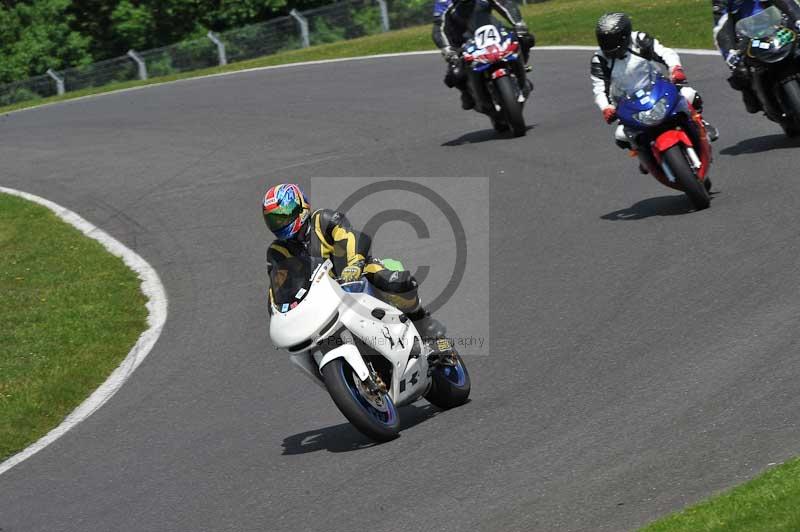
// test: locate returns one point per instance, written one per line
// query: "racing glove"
(524, 34)
(678, 76)
(733, 59)
(352, 272)
(450, 54)
(610, 114)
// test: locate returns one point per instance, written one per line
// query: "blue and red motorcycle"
(665, 131)
(496, 73)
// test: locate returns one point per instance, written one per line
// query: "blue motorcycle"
(667, 133)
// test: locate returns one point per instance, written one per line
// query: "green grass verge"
(69, 314)
(678, 23)
(769, 503)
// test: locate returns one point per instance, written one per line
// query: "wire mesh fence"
(29, 89)
(181, 57)
(346, 19)
(99, 74)
(271, 37)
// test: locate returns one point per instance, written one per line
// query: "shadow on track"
(484, 135)
(762, 144)
(660, 206)
(343, 438)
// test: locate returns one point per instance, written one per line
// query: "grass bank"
(678, 23)
(69, 314)
(768, 503)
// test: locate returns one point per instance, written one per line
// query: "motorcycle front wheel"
(508, 92)
(374, 416)
(791, 93)
(694, 188)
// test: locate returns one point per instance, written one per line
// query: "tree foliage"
(39, 34)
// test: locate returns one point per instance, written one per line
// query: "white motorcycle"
(366, 353)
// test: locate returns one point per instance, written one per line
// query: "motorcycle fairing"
(646, 100)
(351, 354)
(482, 58)
(311, 318)
(669, 139)
(394, 337)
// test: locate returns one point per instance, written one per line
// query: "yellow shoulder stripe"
(327, 249)
(282, 250)
(341, 234)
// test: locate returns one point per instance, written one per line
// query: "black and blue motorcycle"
(771, 56)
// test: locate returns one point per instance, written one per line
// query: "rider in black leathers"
(301, 230)
(452, 18)
(726, 14)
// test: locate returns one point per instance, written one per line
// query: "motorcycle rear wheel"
(693, 187)
(379, 423)
(450, 385)
(507, 92)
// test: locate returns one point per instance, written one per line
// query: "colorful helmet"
(614, 34)
(285, 210)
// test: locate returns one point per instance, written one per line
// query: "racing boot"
(711, 131)
(751, 102)
(740, 81)
(467, 101)
(697, 102)
(527, 89)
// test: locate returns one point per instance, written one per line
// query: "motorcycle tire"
(791, 93)
(450, 385)
(377, 425)
(694, 188)
(499, 124)
(507, 92)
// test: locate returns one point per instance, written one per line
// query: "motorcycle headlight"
(653, 116)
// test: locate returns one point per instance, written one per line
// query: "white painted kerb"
(157, 314)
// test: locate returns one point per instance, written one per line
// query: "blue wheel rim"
(455, 374)
(387, 418)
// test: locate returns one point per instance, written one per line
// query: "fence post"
(59, 81)
(384, 14)
(223, 59)
(139, 63)
(303, 23)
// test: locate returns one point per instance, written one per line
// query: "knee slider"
(693, 97)
(449, 79)
(621, 138)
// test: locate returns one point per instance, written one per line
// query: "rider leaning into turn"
(622, 50)
(451, 19)
(327, 234)
(726, 14)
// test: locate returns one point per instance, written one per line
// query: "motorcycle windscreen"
(291, 280)
(635, 83)
(761, 25)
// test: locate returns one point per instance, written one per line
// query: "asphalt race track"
(642, 356)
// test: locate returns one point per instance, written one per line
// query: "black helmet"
(614, 34)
